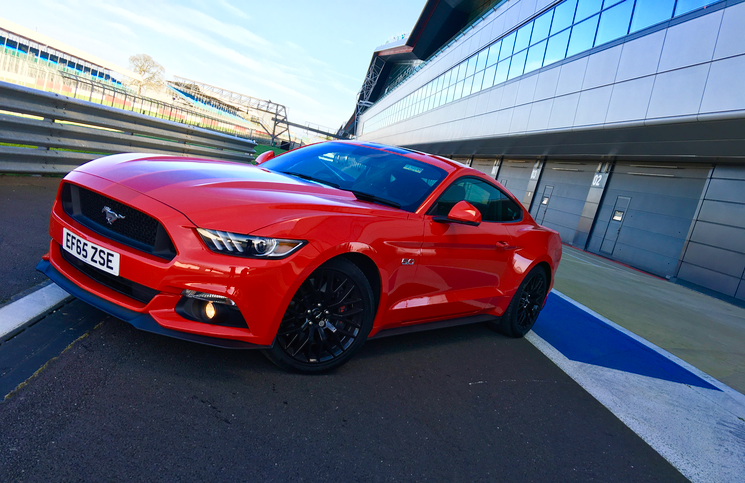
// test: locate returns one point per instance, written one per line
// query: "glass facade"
(568, 28)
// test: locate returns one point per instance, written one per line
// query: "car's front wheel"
(327, 320)
(525, 305)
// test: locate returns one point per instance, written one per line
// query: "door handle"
(503, 245)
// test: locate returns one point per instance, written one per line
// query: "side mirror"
(463, 212)
(265, 156)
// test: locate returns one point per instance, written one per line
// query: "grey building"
(618, 123)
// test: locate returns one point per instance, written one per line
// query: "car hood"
(229, 196)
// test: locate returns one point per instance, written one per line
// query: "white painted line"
(699, 431)
(34, 305)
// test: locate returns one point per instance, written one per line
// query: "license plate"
(90, 253)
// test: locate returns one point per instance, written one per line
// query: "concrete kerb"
(16, 315)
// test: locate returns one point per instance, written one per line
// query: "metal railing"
(42, 132)
(28, 71)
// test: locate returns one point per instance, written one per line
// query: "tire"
(327, 320)
(525, 305)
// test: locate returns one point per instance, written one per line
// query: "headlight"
(248, 246)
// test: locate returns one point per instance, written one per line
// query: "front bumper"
(138, 320)
(261, 289)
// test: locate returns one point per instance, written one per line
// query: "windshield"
(371, 174)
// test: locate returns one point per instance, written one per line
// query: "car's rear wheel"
(525, 305)
(327, 320)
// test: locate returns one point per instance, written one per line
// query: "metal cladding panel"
(723, 213)
(571, 182)
(539, 115)
(730, 190)
(741, 291)
(571, 77)
(717, 259)
(601, 68)
(517, 176)
(653, 229)
(678, 92)
(592, 107)
(563, 111)
(723, 236)
(546, 84)
(526, 90)
(640, 57)
(691, 42)
(731, 41)
(719, 94)
(630, 100)
(709, 279)
(724, 171)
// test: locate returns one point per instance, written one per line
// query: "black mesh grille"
(120, 284)
(134, 228)
(135, 224)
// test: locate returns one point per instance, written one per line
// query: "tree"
(152, 72)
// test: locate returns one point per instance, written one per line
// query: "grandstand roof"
(439, 21)
(43, 40)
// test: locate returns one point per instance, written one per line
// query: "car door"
(461, 266)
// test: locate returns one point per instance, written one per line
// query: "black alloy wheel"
(531, 301)
(525, 305)
(327, 320)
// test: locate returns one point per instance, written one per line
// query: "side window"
(487, 198)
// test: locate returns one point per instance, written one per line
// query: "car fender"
(320, 259)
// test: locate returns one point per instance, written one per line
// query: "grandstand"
(265, 116)
(21, 42)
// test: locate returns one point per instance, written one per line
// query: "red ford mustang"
(306, 255)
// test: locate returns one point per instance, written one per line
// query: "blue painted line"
(582, 337)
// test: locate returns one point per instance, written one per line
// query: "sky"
(311, 56)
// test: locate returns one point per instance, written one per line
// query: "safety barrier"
(42, 132)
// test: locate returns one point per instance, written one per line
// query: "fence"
(42, 132)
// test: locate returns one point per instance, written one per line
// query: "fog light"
(209, 310)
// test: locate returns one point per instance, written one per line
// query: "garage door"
(488, 166)
(515, 175)
(461, 159)
(561, 195)
(646, 213)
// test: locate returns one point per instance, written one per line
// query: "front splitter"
(140, 321)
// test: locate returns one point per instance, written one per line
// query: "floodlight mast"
(371, 79)
(241, 102)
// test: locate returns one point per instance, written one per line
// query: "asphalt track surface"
(458, 404)
(25, 205)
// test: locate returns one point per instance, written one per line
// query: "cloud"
(233, 10)
(234, 33)
(121, 28)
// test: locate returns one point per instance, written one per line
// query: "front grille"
(135, 225)
(122, 285)
(134, 229)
